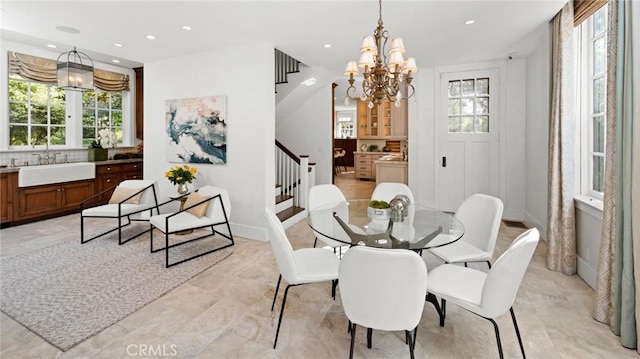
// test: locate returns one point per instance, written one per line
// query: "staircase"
(285, 65)
(294, 176)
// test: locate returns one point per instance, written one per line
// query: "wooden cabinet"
(139, 102)
(47, 200)
(382, 121)
(364, 167)
(8, 184)
(109, 175)
(391, 171)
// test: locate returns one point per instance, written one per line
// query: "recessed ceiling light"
(116, 61)
(326, 46)
(118, 45)
(309, 82)
(185, 27)
(52, 46)
(469, 22)
(151, 37)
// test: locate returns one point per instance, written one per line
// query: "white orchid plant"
(106, 139)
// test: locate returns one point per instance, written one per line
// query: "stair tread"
(288, 213)
(282, 197)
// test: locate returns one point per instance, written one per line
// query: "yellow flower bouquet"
(181, 174)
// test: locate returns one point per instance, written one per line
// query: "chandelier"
(74, 71)
(383, 76)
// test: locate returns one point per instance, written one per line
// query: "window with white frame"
(101, 110)
(591, 37)
(468, 105)
(36, 113)
(39, 113)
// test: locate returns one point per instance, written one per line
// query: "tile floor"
(224, 312)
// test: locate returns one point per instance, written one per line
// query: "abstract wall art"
(197, 130)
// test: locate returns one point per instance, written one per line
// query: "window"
(591, 37)
(101, 110)
(468, 107)
(36, 113)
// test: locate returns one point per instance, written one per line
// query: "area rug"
(68, 292)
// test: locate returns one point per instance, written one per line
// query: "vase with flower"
(181, 175)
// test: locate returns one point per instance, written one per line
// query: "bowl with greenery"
(378, 209)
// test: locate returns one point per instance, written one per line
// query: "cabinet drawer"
(107, 169)
(361, 167)
(132, 167)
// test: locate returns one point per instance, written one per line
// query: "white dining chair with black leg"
(324, 194)
(302, 266)
(386, 191)
(383, 289)
(486, 294)
(481, 215)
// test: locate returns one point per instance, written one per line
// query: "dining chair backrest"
(385, 191)
(148, 197)
(215, 208)
(504, 278)
(383, 288)
(480, 215)
(322, 194)
(281, 247)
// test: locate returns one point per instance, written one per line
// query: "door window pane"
(598, 95)
(469, 98)
(598, 173)
(598, 134)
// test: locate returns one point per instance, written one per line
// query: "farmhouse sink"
(63, 172)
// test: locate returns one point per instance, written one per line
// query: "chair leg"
(433, 300)
(515, 324)
(495, 327)
(489, 264)
(353, 339)
(315, 242)
(369, 335)
(81, 228)
(444, 311)
(411, 343)
(276, 293)
(334, 284)
(284, 301)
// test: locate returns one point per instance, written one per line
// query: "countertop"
(98, 163)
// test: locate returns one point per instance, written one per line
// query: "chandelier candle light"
(383, 76)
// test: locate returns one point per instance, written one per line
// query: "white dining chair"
(385, 191)
(489, 295)
(323, 194)
(480, 214)
(383, 289)
(302, 266)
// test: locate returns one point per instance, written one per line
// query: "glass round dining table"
(354, 223)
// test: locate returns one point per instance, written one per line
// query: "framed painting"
(197, 130)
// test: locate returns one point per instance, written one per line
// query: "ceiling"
(433, 31)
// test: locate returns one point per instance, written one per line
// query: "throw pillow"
(121, 193)
(194, 198)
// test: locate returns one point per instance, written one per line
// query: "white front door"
(469, 142)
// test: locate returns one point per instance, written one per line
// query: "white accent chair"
(217, 214)
(383, 289)
(302, 266)
(148, 201)
(481, 215)
(488, 295)
(385, 191)
(323, 194)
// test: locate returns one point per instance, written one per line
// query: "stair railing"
(295, 174)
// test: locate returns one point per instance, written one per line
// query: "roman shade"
(582, 9)
(43, 70)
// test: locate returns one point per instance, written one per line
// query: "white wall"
(249, 174)
(306, 130)
(537, 133)
(424, 141)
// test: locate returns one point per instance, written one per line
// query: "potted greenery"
(378, 209)
(97, 152)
